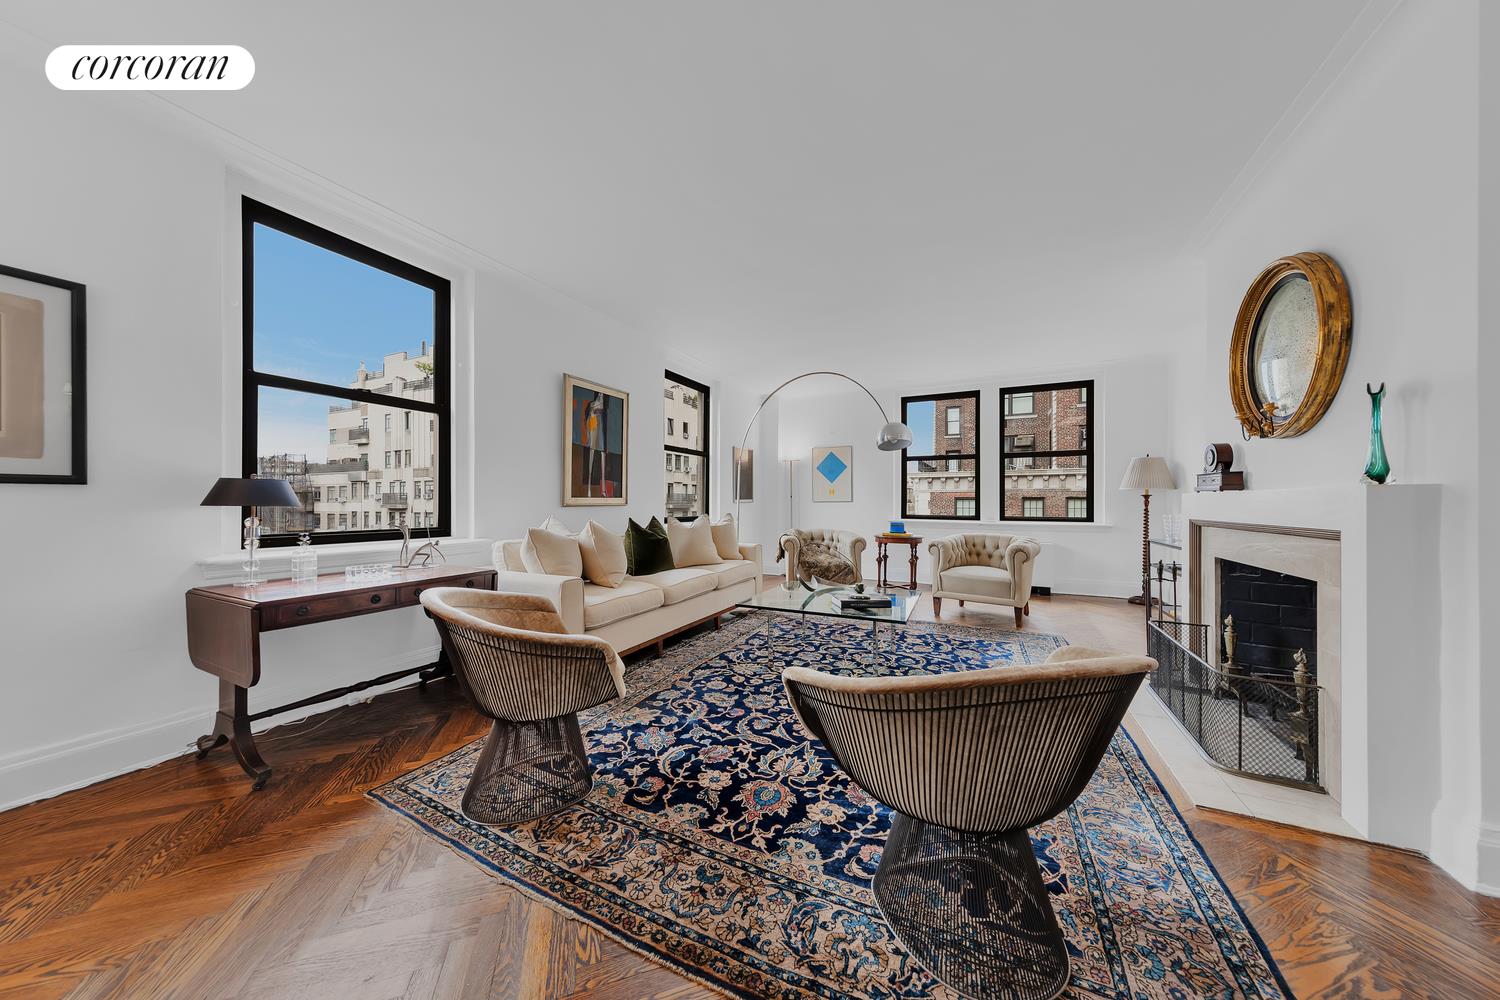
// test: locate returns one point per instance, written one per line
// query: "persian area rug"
(721, 841)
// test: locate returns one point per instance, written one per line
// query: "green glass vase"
(1377, 466)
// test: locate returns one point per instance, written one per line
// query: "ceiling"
(778, 184)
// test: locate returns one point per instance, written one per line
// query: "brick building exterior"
(943, 487)
(1044, 421)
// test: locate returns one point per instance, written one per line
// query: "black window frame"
(253, 213)
(703, 409)
(937, 399)
(1087, 452)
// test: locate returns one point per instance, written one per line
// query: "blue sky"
(919, 417)
(317, 316)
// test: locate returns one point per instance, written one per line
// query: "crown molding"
(1365, 26)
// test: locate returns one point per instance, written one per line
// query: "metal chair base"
(972, 909)
(528, 770)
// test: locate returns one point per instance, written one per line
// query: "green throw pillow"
(647, 550)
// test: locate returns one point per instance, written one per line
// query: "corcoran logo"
(150, 67)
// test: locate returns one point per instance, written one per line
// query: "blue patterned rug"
(720, 841)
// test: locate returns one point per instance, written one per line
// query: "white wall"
(1488, 374)
(1382, 175)
(1131, 416)
(126, 198)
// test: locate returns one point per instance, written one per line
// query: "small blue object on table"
(898, 528)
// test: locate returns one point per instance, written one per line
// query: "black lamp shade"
(251, 493)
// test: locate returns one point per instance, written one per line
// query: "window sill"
(277, 561)
(948, 522)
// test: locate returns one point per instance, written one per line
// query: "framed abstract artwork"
(833, 474)
(596, 444)
(43, 418)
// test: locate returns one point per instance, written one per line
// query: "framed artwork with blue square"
(833, 474)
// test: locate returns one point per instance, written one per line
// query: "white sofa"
(643, 610)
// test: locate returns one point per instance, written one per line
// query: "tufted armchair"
(990, 569)
(807, 551)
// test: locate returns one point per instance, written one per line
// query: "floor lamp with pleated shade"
(1147, 473)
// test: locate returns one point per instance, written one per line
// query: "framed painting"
(596, 444)
(833, 474)
(43, 418)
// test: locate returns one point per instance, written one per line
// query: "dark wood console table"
(224, 625)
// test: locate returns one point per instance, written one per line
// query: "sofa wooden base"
(660, 642)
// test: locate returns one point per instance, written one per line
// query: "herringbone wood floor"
(177, 881)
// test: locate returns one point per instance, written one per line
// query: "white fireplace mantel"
(1389, 611)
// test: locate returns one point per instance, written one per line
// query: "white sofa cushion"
(692, 543)
(981, 581)
(732, 571)
(552, 553)
(680, 584)
(602, 605)
(603, 554)
(508, 555)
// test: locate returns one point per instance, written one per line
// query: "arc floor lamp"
(893, 436)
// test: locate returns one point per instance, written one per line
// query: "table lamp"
(252, 493)
(1147, 473)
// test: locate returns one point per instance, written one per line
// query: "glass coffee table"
(819, 603)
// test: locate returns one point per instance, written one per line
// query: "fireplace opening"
(1267, 618)
(1245, 686)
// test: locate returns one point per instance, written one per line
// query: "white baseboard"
(43, 772)
(1084, 587)
(1488, 882)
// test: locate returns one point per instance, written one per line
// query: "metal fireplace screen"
(1252, 724)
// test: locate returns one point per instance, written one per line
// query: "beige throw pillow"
(603, 554)
(554, 525)
(726, 537)
(692, 543)
(551, 553)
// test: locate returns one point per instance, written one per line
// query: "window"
(1046, 458)
(338, 338)
(687, 439)
(940, 471)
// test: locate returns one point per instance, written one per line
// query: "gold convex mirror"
(1290, 346)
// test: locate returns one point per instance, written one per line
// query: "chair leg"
(1018, 617)
(960, 603)
(528, 770)
(1026, 608)
(937, 606)
(972, 909)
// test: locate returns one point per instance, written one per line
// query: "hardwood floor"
(178, 881)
